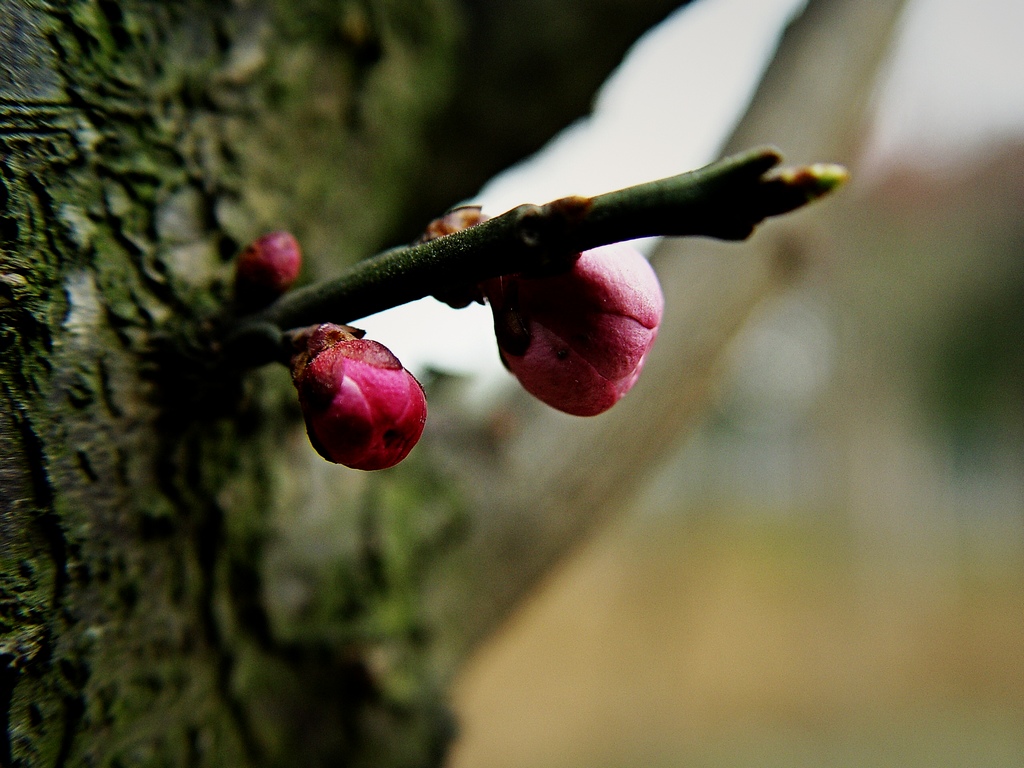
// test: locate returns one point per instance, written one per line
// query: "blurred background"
(822, 559)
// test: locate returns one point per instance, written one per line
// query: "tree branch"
(724, 200)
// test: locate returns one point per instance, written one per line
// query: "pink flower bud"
(578, 340)
(361, 407)
(266, 269)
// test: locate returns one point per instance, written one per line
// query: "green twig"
(725, 200)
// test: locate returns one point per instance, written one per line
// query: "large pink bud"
(578, 340)
(362, 408)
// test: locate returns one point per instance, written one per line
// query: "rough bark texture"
(143, 142)
(182, 580)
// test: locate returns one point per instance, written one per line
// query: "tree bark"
(183, 581)
(143, 143)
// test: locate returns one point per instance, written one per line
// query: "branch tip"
(727, 199)
(814, 181)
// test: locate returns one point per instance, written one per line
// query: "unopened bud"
(266, 269)
(578, 340)
(361, 407)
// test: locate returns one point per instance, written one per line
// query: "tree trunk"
(183, 581)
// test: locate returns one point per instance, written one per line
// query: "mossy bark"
(183, 581)
(148, 619)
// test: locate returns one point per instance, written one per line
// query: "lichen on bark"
(182, 580)
(155, 607)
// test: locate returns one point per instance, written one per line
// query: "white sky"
(956, 80)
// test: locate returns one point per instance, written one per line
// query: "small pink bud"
(361, 407)
(266, 269)
(578, 340)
